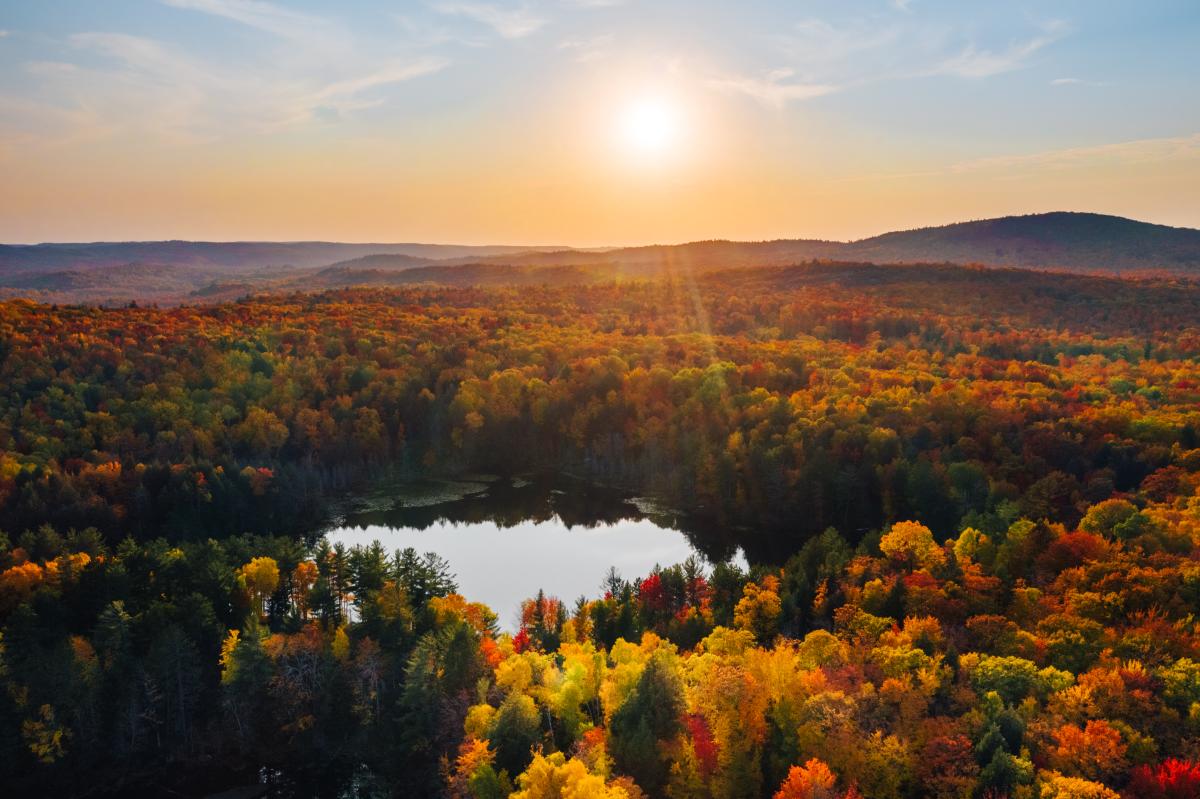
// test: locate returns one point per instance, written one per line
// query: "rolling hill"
(221, 257)
(177, 271)
(1059, 240)
(1064, 241)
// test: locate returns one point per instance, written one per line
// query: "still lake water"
(505, 540)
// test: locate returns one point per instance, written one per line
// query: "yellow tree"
(759, 608)
(555, 777)
(734, 705)
(1056, 786)
(911, 544)
(261, 577)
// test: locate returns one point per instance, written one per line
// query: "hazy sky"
(588, 122)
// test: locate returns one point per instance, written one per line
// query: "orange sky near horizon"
(374, 194)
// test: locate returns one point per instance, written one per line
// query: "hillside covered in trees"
(180, 271)
(970, 500)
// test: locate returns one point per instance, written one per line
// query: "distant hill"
(1059, 240)
(103, 284)
(696, 256)
(383, 262)
(180, 271)
(150, 276)
(646, 261)
(1077, 242)
(472, 274)
(220, 257)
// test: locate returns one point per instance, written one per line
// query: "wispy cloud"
(420, 33)
(976, 62)
(276, 20)
(827, 56)
(511, 23)
(145, 55)
(588, 49)
(828, 53)
(3, 33)
(1076, 82)
(50, 67)
(342, 95)
(142, 85)
(773, 89)
(154, 88)
(1138, 151)
(1170, 149)
(35, 123)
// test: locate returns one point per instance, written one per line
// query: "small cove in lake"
(505, 539)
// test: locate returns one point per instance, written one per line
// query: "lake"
(505, 539)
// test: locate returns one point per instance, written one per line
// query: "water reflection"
(506, 539)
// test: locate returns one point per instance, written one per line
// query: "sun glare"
(650, 126)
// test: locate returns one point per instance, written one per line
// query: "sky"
(588, 122)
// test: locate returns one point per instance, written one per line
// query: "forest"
(969, 498)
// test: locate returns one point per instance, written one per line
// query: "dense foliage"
(971, 498)
(1040, 661)
(791, 400)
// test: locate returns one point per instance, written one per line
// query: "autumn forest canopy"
(969, 500)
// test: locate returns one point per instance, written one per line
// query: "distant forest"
(788, 399)
(170, 272)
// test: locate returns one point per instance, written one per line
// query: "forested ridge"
(186, 271)
(970, 497)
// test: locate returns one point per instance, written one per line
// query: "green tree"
(516, 730)
(650, 718)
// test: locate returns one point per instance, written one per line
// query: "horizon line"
(576, 247)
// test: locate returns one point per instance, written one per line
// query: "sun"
(650, 125)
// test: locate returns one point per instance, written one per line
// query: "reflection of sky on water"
(502, 566)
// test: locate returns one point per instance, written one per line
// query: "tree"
(813, 780)
(370, 435)
(1094, 752)
(555, 777)
(422, 576)
(1057, 786)
(1181, 683)
(1003, 773)
(1013, 678)
(246, 672)
(1104, 518)
(649, 719)
(174, 666)
(304, 578)
(261, 576)
(515, 732)
(911, 544)
(1173, 778)
(261, 432)
(759, 608)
